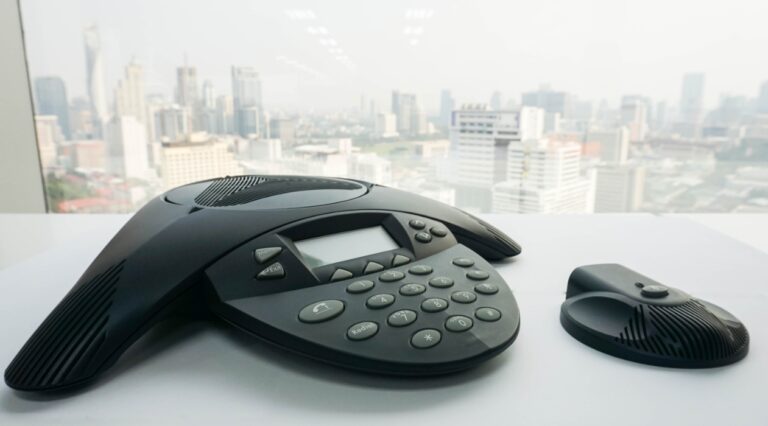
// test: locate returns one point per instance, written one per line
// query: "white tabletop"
(200, 373)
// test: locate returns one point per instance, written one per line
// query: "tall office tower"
(614, 144)
(411, 119)
(634, 115)
(619, 188)
(385, 126)
(692, 103)
(48, 135)
(127, 148)
(187, 95)
(446, 107)
(196, 159)
(51, 99)
(250, 121)
(532, 122)
(283, 129)
(129, 94)
(94, 72)
(80, 118)
(209, 95)
(554, 103)
(762, 99)
(225, 114)
(479, 141)
(543, 177)
(246, 94)
(496, 100)
(171, 123)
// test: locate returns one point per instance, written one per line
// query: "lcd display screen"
(347, 245)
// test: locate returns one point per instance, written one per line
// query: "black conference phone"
(343, 271)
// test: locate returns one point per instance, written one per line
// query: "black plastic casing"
(155, 266)
(606, 309)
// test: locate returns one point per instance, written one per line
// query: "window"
(629, 112)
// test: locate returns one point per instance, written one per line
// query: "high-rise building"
(411, 119)
(48, 136)
(496, 100)
(613, 143)
(544, 177)
(246, 96)
(634, 115)
(225, 114)
(171, 123)
(283, 129)
(479, 141)
(51, 99)
(129, 94)
(127, 147)
(446, 107)
(209, 95)
(186, 87)
(197, 158)
(81, 119)
(619, 188)
(94, 72)
(554, 103)
(762, 99)
(532, 122)
(691, 104)
(385, 126)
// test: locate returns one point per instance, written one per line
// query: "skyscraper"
(543, 177)
(186, 87)
(51, 99)
(496, 100)
(127, 147)
(129, 94)
(692, 98)
(762, 99)
(171, 123)
(94, 71)
(411, 119)
(246, 95)
(619, 188)
(614, 144)
(446, 107)
(634, 115)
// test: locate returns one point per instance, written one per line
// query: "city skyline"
(299, 71)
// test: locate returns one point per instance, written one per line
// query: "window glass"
(554, 106)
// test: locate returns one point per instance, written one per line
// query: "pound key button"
(426, 338)
(321, 311)
(488, 314)
(362, 330)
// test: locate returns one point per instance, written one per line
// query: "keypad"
(379, 301)
(434, 304)
(412, 289)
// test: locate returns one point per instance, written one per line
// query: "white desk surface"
(201, 373)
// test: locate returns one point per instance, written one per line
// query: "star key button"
(426, 338)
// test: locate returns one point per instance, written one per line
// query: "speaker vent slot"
(688, 331)
(232, 191)
(68, 337)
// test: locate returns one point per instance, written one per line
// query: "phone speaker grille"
(68, 337)
(688, 332)
(233, 191)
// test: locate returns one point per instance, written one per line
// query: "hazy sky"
(594, 49)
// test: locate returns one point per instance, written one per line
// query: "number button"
(391, 276)
(412, 289)
(458, 323)
(464, 262)
(379, 301)
(420, 270)
(487, 288)
(401, 318)
(441, 282)
(434, 305)
(360, 286)
(477, 275)
(463, 297)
